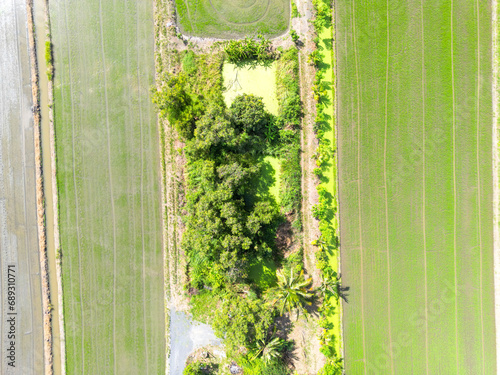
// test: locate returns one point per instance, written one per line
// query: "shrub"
(249, 49)
(48, 53)
(295, 11)
(189, 62)
(194, 368)
(242, 321)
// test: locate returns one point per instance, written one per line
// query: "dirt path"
(40, 198)
(308, 358)
(50, 193)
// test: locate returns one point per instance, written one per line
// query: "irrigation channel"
(41, 30)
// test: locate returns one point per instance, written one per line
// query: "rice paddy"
(108, 181)
(415, 173)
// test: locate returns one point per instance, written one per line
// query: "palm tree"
(331, 282)
(292, 291)
(320, 243)
(268, 349)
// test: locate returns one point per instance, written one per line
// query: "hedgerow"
(289, 119)
(325, 210)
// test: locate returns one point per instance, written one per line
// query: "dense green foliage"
(243, 321)
(230, 216)
(249, 49)
(331, 289)
(295, 11)
(292, 292)
(323, 10)
(194, 368)
(186, 95)
(225, 225)
(290, 116)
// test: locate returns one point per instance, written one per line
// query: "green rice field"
(108, 181)
(415, 175)
(233, 18)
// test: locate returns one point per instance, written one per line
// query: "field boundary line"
(480, 234)
(143, 268)
(388, 256)
(426, 308)
(110, 172)
(359, 189)
(454, 186)
(496, 200)
(40, 199)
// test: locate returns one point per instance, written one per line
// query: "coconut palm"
(331, 283)
(292, 291)
(320, 243)
(268, 349)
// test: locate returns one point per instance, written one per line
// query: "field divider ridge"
(424, 234)
(40, 199)
(454, 182)
(388, 254)
(55, 198)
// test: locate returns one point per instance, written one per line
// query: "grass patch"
(233, 19)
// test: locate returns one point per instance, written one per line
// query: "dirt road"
(19, 262)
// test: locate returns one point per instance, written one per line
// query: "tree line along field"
(233, 19)
(108, 181)
(415, 128)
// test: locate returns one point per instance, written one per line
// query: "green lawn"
(233, 18)
(108, 180)
(414, 119)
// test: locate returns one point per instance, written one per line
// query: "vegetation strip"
(47, 313)
(326, 211)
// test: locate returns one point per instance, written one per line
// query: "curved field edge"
(131, 238)
(200, 18)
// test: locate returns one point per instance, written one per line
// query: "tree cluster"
(226, 225)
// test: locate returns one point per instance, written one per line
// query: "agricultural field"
(415, 158)
(19, 257)
(108, 180)
(225, 19)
